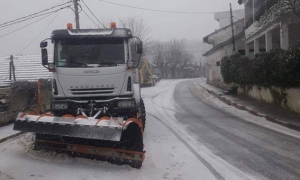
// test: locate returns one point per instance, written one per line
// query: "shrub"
(236, 69)
(275, 68)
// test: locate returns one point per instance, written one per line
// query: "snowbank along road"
(189, 135)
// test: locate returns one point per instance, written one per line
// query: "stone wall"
(286, 98)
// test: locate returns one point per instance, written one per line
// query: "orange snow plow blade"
(106, 128)
(111, 139)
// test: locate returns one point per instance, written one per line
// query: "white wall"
(286, 98)
(212, 59)
(224, 17)
(226, 33)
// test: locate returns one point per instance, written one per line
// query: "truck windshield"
(89, 52)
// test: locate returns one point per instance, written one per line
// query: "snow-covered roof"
(27, 67)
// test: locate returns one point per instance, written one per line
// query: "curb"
(11, 136)
(251, 111)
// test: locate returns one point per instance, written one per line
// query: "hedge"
(275, 68)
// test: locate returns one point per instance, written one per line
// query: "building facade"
(265, 37)
(224, 44)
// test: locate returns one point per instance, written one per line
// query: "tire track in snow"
(11, 137)
(192, 150)
(152, 100)
(187, 145)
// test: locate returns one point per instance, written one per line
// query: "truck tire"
(143, 111)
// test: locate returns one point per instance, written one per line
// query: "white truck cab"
(93, 69)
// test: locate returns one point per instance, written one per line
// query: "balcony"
(249, 23)
(270, 3)
(260, 12)
(263, 7)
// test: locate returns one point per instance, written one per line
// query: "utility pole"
(232, 27)
(12, 68)
(76, 13)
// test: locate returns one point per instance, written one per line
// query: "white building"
(224, 44)
(224, 17)
(269, 36)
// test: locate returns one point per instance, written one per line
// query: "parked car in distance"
(155, 78)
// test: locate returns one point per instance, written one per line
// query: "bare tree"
(158, 53)
(138, 27)
(171, 56)
(176, 49)
(186, 59)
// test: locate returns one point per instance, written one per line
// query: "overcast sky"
(164, 26)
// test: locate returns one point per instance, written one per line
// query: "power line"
(156, 10)
(93, 14)
(34, 13)
(30, 16)
(32, 23)
(90, 18)
(25, 26)
(39, 34)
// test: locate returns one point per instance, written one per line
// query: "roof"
(205, 39)
(27, 68)
(238, 36)
(91, 33)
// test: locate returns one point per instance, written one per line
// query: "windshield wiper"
(103, 63)
(72, 58)
(80, 63)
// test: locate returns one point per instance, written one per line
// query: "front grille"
(92, 91)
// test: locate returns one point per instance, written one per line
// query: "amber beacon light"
(69, 26)
(113, 25)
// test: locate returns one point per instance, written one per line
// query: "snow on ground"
(166, 157)
(6, 131)
(165, 108)
(261, 121)
(172, 151)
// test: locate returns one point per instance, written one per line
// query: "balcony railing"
(260, 12)
(270, 3)
(249, 23)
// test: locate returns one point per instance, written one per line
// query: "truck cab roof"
(91, 33)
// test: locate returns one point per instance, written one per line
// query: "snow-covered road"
(166, 158)
(189, 135)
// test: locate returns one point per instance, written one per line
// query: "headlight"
(126, 103)
(130, 64)
(60, 106)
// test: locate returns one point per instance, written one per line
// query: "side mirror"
(44, 57)
(43, 44)
(139, 47)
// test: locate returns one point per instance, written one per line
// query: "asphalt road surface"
(259, 152)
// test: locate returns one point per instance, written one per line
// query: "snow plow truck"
(96, 109)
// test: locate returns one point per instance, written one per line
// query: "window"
(83, 52)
